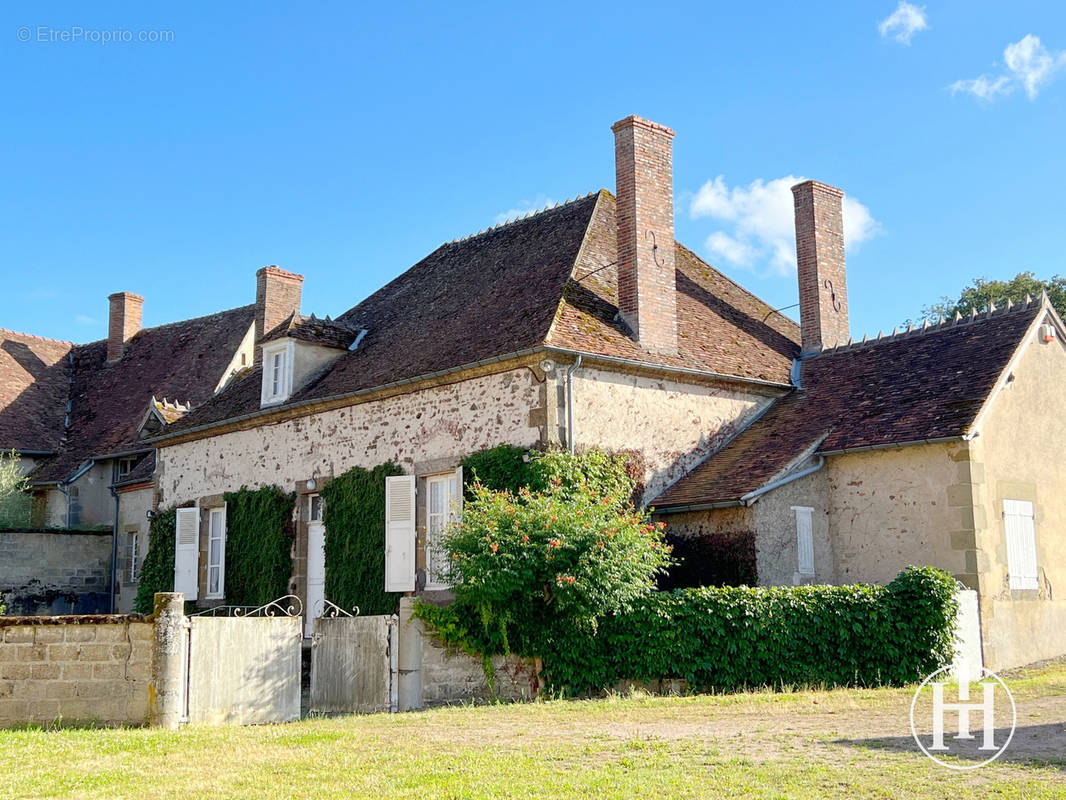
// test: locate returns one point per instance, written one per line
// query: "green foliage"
(737, 637)
(354, 516)
(506, 468)
(259, 534)
(157, 572)
(981, 292)
(15, 501)
(526, 562)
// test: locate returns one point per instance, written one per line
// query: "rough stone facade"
(132, 523)
(673, 425)
(776, 544)
(647, 297)
(55, 572)
(820, 260)
(75, 670)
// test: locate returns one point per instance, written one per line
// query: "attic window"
(277, 372)
(125, 466)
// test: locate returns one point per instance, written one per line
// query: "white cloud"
(527, 207)
(761, 222)
(1029, 64)
(904, 22)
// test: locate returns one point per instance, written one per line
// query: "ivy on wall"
(259, 535)
(354, 517)
(157, 572)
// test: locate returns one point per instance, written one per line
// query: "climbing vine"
(354, 517)
(157, 572)
(259, 535)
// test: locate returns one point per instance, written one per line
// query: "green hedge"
(157, 571)
(259, 535)
(354, 517)
(734, 637)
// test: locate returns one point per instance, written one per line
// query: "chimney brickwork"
(277, 295)
(823, 288)
(124, 320)
(647, 294)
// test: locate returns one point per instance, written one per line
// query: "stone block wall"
(71, 669)
(55, 572)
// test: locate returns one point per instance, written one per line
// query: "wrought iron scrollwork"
(659, 262)
(288, 606)
(828, 284)
(333, 611)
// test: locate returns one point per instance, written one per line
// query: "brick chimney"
(124, 320)
(643, 155)
(277, 295)
(823, 287)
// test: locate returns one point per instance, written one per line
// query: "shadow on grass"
(1032, 745)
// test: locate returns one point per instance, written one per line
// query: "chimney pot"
(647, 294)
(277, 296)
(124, 320)
(823, 288)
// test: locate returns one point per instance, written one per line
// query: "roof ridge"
(35, 336)
(249, 307)
(530, 215)
(940, 325)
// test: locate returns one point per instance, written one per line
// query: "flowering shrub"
(531, 561)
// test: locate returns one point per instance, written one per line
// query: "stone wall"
(776, 539)
(1018, 456)
(674, 425)
(75, 669)
(55, 572)
(436, 425)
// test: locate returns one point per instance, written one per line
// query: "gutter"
(697, 507)
(868, 447)
(571, 439)
(750, 498)
(114, 550)
(277, 411)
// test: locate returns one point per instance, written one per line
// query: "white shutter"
(1021, 544)
(804, 540)
(457, 500)
(400, 533)
(187, 552)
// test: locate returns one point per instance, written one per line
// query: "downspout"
(114, 550)
(751, 497)
(61, 485)
(570, 402)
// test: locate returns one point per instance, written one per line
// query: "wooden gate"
(244, 667)
(353, 663)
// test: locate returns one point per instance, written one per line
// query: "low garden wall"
(75, 669)
(55, 572)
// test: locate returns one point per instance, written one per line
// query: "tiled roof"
(34, 379)
(545, 280)
(907, 388)
(184, 359)
(325, 332)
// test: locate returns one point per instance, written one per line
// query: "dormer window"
(277, 372)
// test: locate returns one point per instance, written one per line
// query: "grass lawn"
(809, 744)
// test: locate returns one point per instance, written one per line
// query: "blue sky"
(346, 141)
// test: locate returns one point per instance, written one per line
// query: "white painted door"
(316, 563)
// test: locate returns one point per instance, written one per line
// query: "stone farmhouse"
(588, 325)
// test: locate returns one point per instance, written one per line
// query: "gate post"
(166, 692)
(409, 661)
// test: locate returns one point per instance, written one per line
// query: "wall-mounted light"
(149, 514)
(547, 366)
(311, 484)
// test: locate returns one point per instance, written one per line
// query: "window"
(443, 505)
(125, 466)
(1018, 522)
(133, 569)
(277, 372)
(216, 553)
(804, 540)
(314, 508)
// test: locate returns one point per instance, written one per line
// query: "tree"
(981, 292)
(14, 499)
